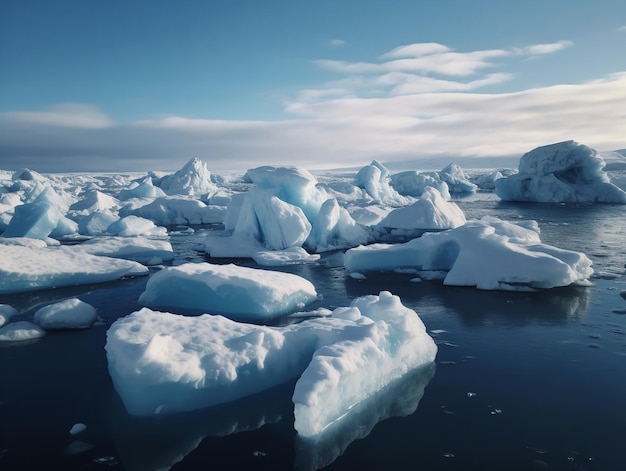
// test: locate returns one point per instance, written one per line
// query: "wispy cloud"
(405, 105)
(336, 132)
(74, 115)
(337, 42)
(622, 28)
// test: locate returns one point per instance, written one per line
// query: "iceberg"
(488, 254)
(413, 183)
(174, 210)
(164, 363)
(68, 314)
(565, 172)
(334, 229)
(29, 268)
(375, 180)
(430, 212)
(39, 220)
(388, 340)
(193, 179)
(145, 189)
(240, 293)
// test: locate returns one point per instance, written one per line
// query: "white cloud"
(540, 49)
(337, 42)
(416, 50)
(337, 132)
(76, 115)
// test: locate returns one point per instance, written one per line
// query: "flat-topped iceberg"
(139, 249)
(488, 254)
(28, 268)
(566, 172)
(237, 292)
(163, 363)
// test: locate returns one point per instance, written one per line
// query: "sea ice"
(275, 258)
(67, 314)
(96, 223)
(173, 210)
(240, 293)
(20, 331)
(131, 226)
(28, 268)
(387, 339)
(488, 254)
(6, 312)
(564, 172)
(144, 189)
(162, 362)
(139, 249)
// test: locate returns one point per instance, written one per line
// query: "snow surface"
(139, 249)
(163, 363)
(489, 254)
(240, 293)
(67, 314)
(27, 268)
(563, 172)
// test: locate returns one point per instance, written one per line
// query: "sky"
(147, 85)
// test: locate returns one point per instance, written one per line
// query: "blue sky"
(139, 85)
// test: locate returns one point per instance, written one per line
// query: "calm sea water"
(522, 381)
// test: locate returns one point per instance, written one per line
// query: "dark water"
(522, 381)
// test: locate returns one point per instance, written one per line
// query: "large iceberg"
(163, 363)
(193, 179)
(488, 254)
(285, 209)
(565, 172)
(237, 292)
(28, 268)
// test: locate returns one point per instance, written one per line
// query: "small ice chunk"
(20, 331)
(77, 428)
(68, 314)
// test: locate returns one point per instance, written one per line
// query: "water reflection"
(399, 399)
(160, 442)
(477, 307)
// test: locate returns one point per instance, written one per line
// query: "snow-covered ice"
(67, 314)
(131, 226)
(20, 331)
(563, 172)
(139, 249)
(275, 258)
(240, 293)
(163, 363)
(194, 178)
(6, 312)
(488, 254)
(28, 268)
(173, 210)
(431, 212)
(387, 339)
